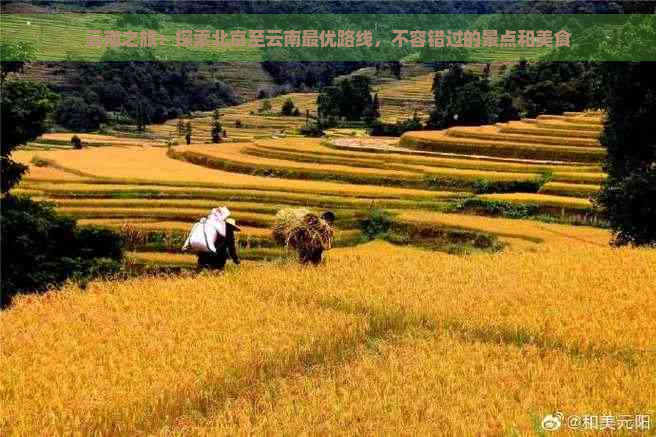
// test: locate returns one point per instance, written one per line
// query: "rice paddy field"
(456, 323)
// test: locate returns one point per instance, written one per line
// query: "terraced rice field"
(160, 191)
(399, 100)
(143, 189)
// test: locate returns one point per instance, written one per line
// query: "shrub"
(497, 208)
(376, 222)
(47, 249)
(311, 130)
(76, 142)
(288, 107)
(379, 128)
(484, 186)
(216, 126)
(266, 106)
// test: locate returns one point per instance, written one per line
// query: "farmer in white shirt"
(225, 247)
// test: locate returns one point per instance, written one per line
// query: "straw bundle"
(300, 229)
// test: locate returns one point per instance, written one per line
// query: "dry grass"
(429, 344)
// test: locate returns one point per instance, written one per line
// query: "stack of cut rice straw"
(299, 229)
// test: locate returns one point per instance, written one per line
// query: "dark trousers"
(313, 256)
(212, 260)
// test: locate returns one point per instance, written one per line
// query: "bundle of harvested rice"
(300, 229)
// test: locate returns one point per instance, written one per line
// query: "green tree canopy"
(25, 106)
(628, 196)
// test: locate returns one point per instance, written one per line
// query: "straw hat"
(233, 223)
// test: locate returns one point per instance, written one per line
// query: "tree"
(349, 99)
(216, 127)
(287, 107)
(25, 107)
(551, 87)
(628, 196)
(373, 111)
(75, 114)
(395, 68)
(461, 98)
(360, 99)
(32, 233)
(188, 132)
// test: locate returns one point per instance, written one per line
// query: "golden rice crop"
(450, 169)
(314, 150)
(51, 174)
(172, 214)
(540, 200)
(530, 129)
(151, 166)
(232, 153)
(150, 224)
(122, 359)
(97, 139)
(233, 157)
(559, 125)
(579, 177)
(164, 203)
(190, 260)
(379, 339)
(565, 189)
(548, 235)
(439, 141)
(492, 133)
(108, 191)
